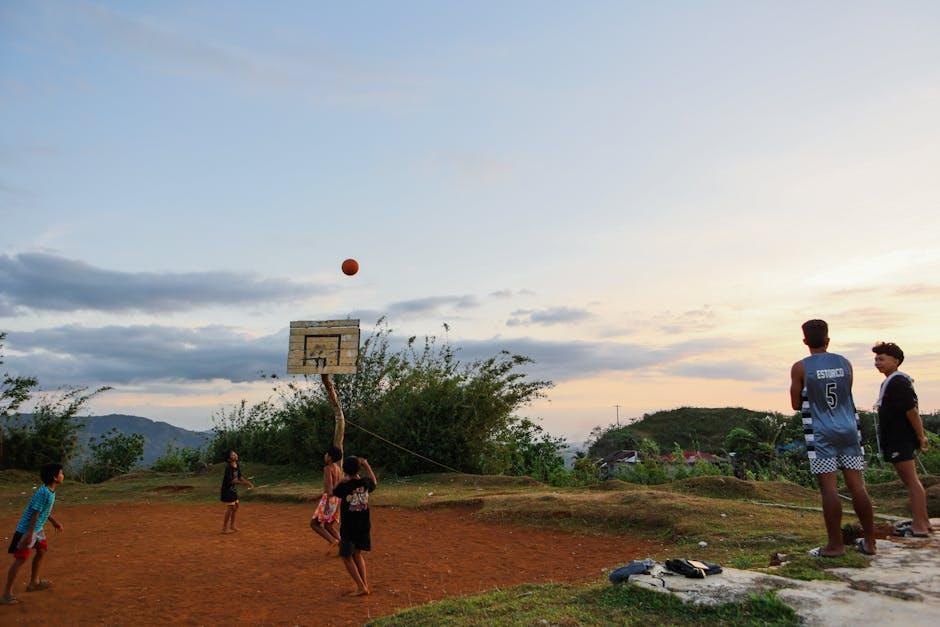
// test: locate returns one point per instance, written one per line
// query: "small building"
(608, 466)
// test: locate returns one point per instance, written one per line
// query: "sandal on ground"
(10, 600)
(903, 529)
(907, 532)
(860, 545)
(42, 584)
(817, 552)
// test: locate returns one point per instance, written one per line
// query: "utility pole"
(618, 414)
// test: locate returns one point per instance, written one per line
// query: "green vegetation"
(179, 459)
(421, 397)
(595, 604)
(692, 428)
(112, 454)
(51, 435)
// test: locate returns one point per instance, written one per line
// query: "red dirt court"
(137, 563)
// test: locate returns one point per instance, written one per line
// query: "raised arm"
(368, 469)
(797, 374)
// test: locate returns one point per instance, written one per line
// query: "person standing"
(821, 387)
(902, 433)
(229, 494)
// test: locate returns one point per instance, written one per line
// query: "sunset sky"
(646, 198)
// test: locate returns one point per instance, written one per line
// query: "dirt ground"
(138, 563)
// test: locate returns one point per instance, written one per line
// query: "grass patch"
(734, 488)
(595, 604)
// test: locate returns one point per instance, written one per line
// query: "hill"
(157, 435)
(701, 428)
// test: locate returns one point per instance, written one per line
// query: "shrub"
(113, 454)
(179, 459)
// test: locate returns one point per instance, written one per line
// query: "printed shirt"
(354, 506)
(42, 502)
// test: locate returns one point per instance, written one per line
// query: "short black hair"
(815, 332)
(335, 453)
(889, 348)
(351, 465)
(49, 472)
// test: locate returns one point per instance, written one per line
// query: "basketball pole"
(339, 428)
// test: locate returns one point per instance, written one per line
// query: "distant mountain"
(157, 435)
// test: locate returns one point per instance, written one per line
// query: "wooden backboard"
(323, 347)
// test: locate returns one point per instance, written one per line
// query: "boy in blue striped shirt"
(29, 532)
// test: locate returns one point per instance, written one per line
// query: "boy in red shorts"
(29, 532)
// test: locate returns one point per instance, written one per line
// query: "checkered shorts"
(822, 465)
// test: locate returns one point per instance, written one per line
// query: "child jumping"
(233, 477)
(354, 525)
(327, 512)
(29, 532)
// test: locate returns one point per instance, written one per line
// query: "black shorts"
(348, 546)
(229, 496)
(896, 452)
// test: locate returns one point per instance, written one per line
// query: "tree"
(114, 453)
(421, 398)
(14, 391)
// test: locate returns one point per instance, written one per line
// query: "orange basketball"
(350, 267)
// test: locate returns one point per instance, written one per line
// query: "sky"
(648, 199)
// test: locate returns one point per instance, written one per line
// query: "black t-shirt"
(898, 399)
(228, 481)
(354, 507)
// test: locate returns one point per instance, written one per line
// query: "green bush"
(113, 454)
(179, 459)
(421, 398)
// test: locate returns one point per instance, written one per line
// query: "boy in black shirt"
(902, 431)
(354, 524)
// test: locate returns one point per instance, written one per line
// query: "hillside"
(157, 435)
(701, 428)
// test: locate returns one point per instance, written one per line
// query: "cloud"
(919, 289)
(564, 360)
(313, 73)
(546, 317)
(149, 354)
(46, 282)
(76, 354)
(691, 321)
(418, 308)
(506, 294)
(735, 370)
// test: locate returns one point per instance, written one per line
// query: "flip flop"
(860, 545)
(901, 528)
(817, 552)
(9, 601)
(42, 584)
(907, 532)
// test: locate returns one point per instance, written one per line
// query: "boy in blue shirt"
(29, 532)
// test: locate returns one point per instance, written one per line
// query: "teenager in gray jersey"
(821, 387)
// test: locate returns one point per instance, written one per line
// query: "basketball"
(350, 267)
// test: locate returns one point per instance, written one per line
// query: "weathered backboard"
(323, 347)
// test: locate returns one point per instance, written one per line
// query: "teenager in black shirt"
(229, 493)
(902, 432)
(354, 523)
